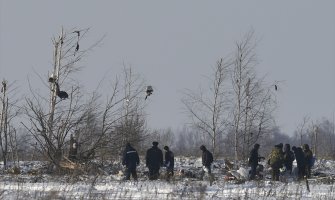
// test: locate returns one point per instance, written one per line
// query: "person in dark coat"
(288, 158)
(169, 163)
(280, 146)
(154, 160)
(253, 161)
(276, 160)
(308, 155)
(207, 160)
(73, 148)
(299, 156)
(130, 160)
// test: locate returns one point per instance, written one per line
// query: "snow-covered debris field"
(31, 183)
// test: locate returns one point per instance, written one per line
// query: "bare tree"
(302, 129)
(52, 120)
(109, 124)
(206, 108)
(132, 125)
(252, 100)
(319, 134)
(323, 139)
(9, 111)
(188, 140)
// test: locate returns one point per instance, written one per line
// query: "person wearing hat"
(207, 160)
(169, 162)
(276, 160)
(130, 160)
(154, 160)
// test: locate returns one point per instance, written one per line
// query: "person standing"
(299, 156)
(169, 163)
(154, 160)
(288, 158)
(308, 155)
(280, 146)
(207, 160)
(253, 161)
(73, 149)
(276, 160)
(130, 160)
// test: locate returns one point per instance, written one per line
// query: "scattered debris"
(148, 91)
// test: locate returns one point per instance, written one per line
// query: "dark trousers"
(153, 173)
(209, 171)
(288, 167)
(131, 171)
(301, 172)
(275, 173)
(253, 172)
(308, 171)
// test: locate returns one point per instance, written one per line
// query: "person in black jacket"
(308, 156)
(154, 160)
(207, 160)
(299, 156)
(253, 161)
(288, 158)
(73, 148)
(130, 160)
(169, 163)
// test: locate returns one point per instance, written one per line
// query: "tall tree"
(9, 110)
(52, 120)
(206, 108)
(109, 124)
(252, 101)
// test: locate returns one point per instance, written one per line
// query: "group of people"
(283, 159)
(279, 158)
(154, 161)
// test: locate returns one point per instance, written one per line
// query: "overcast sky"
(174, 43)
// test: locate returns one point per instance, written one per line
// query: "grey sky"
(174, 43)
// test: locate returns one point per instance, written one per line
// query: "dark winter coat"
(169, 160)
(299, 156)
(308, 156)
(130, 157)
(253, 157)
(207, 158)
(276, 158)
(288, 157)
(154, 158)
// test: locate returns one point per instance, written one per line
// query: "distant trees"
(323, 136)
(320, 135)
(301, 129)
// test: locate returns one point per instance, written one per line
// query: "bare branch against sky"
(174, 43)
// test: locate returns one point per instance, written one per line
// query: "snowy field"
(32, 183)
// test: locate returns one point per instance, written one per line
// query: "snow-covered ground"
(32, 183)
